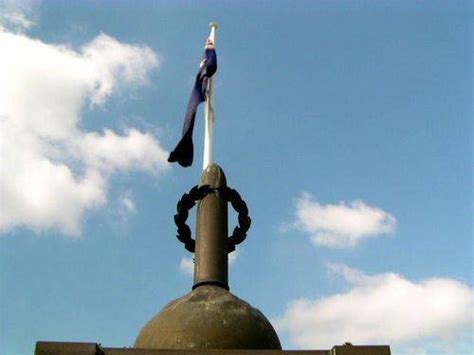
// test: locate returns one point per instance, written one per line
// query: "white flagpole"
(209, 110)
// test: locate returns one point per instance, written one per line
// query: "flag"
(184, 151)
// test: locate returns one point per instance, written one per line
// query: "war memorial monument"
(209, 319)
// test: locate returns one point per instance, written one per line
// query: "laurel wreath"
(197, 193)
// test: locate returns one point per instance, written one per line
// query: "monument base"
(66, 348)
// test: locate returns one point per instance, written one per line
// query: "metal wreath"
(197, 193)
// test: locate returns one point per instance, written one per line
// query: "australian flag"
(184, 151)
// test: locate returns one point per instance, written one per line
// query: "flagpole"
(209, 110)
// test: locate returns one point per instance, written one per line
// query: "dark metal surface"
(197, 193)
(188, 201)
(240, 232)
(63, 348)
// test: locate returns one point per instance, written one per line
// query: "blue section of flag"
(184, 151)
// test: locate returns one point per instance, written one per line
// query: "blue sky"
(345, 125)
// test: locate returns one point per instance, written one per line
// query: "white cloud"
(380, 309)
(133, 150)
(51, 169)
(342, 225)
(127, 205)
(15, 20)
(233, 257)
(186, 264)
(13, 14)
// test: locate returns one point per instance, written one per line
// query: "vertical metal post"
(211, 266)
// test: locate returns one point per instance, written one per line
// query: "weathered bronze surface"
(209, 317)
(360, 350)
(211, 232)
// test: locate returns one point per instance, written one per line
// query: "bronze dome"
(209, 317)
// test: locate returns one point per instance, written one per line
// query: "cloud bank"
(342, 225)
(380, 309)
(51, 169)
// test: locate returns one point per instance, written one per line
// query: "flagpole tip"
(214, 25)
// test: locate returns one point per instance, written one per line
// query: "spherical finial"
(214, 25)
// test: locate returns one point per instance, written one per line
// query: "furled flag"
(184, 151)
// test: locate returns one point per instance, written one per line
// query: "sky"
(345, 125)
